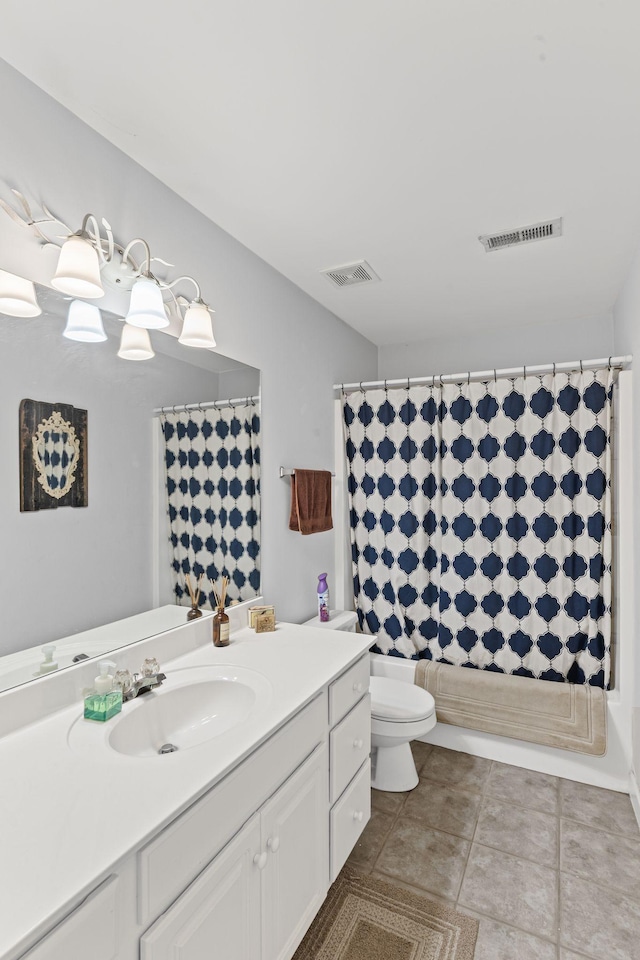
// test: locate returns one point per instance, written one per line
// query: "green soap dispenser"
(104, 702)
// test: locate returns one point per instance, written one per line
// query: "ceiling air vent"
(520, 235)
(350, 274)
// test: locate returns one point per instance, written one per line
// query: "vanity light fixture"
(17, 296)
(78, 271)
(84, 323)
(146, 307)
(90, 256)
(197, 329)
(135, 343)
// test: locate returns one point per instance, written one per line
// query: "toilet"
(400, 712)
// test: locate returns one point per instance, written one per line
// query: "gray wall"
(261, 319)
(511, 347)
(626, 318)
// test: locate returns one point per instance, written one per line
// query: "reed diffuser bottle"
(220, 619)
(220, 628)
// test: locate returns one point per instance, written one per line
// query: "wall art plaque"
(53, 456)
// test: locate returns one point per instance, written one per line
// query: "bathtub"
(610, 771)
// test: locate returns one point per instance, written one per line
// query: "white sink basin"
(193, 706)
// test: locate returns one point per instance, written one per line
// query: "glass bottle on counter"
(220, 628)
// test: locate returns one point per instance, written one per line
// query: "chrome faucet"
(140, 684)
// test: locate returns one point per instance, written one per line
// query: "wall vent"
(350, 274)
(520, 235)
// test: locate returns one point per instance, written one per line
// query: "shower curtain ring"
(609, 365)
(581, 370)
(525, 371)
(385, 384)
(554, 369)
(495, 375)
(469, 378)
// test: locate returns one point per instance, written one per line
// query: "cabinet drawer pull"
(260, 860)
(358, 744)
(273, 843)
(357, 688)
(358, 815)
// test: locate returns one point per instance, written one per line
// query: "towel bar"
(288, 472)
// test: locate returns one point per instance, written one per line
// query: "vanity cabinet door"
(90, 931)
(295, 838)
(219, 914)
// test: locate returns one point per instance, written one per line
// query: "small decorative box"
(265, 622)
(257, 611)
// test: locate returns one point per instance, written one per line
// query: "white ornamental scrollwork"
(56, 455)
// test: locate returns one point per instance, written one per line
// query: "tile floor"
(549, 867)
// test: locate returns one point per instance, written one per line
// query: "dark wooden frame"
(33, 496)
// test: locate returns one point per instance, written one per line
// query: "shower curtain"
(480, 519)
(212, 463)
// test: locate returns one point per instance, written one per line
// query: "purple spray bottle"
(323, 598)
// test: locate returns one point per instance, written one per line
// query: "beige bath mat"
(561, 715)
(364, 918)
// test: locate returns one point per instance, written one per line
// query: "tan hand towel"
(310, 501)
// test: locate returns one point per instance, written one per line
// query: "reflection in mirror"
(73, 569)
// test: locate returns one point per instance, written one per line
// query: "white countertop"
(66, 819)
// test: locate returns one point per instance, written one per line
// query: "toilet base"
(393, 768)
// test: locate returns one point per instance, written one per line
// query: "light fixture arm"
(83, 232)
(168, 286)
(146, 269)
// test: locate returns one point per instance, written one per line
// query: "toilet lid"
(399, 701)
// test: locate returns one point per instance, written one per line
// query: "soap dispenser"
(105, 701)
(104, 681)
(48, 664)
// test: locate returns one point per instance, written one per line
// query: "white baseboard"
(634, 793)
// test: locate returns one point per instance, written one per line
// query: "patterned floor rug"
(364, 918)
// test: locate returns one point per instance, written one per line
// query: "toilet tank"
(345, 620)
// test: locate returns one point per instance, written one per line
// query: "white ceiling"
(319, 133)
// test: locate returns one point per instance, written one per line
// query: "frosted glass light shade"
(146, 308)
(135, 344)
(78, 272)
(84, 323)
(197, 330)
(17, 296)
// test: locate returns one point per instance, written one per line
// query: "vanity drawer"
(90, 931)
(347, 689)
(349, 817)
(168, 864)
(350, 745)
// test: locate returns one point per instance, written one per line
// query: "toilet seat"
(399, 702)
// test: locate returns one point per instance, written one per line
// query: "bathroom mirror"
(72, 569)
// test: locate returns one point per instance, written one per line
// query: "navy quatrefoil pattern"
(481, 523)
(212, 461)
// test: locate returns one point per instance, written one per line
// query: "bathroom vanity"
(223, 848)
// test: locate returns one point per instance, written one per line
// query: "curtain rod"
(208, 405)
(616, 363)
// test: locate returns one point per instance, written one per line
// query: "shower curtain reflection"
(212, 465)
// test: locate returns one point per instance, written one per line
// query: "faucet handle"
(150, 667)
(124, 680)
